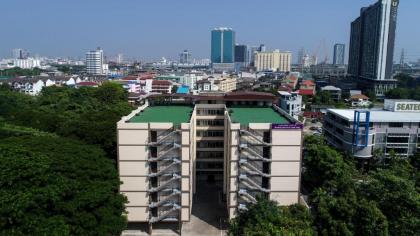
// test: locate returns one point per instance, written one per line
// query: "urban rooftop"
(164, 114)
(178, 114)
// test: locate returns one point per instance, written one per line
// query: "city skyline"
(166, 35)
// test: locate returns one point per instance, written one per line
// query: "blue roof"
(183, 90)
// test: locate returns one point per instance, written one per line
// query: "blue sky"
(150, 29)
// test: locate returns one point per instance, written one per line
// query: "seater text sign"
(407, 106)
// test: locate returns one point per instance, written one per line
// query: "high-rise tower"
(372, 46)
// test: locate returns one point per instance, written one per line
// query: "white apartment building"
(232, 147)
(291, 103)
(28, 63)
(95, 62)
(274, 61)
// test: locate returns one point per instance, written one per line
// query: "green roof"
(164, 114)
(246, 115)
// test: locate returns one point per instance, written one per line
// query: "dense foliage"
(56, 186)
(70, 69)
(17, 71)
(383, 201)
(267, 218)
(87, 114)
(408, 88)
(53, 181)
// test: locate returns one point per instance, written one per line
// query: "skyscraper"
(251, 54)
(301, 54)
(95, 62)
(19, 53)
(222, 45)
(262, 48)
(372, 42)
(185, 57)
(241, 55)
(339, 52)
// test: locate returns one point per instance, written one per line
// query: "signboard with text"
(407, 106)
(286, 126)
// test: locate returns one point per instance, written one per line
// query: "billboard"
(287, 126)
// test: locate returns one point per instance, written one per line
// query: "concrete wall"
(286, 155)
(133, 168)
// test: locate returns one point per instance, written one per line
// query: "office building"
(185, 57)
(262, 48)
(19, 53)
(339, 53)
(120, 58)
(291, 103)
(301, 54)
(361, 132)
(228, 148)
(273, 61)
(223, 49)
(241, 55)
(95, 62)
(251, 54)
(372, 42)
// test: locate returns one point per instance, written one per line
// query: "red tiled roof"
(130, 77)
(307, 92)
(87, 83)
(359, 96)
(308, 83)
(246, 95)
(161, 82)
(145, 77)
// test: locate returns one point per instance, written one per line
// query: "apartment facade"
(372, 40)
(339, 53)
(95, 62)
(241, 142)
(361, 132)
(291, 103)
(274, 61)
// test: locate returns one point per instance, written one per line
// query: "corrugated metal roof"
(379, 115)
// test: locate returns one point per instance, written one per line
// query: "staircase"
(162, 186)
(173, 192)
(164, 217)
(254, 170)
(175, 162)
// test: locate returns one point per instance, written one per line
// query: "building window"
(396, 125)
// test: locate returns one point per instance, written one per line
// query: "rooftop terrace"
(164, 114)
(246, 115)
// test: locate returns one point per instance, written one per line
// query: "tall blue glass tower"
(222, 45)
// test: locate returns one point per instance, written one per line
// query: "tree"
(406, 81)
(87, 114)
(266, 218)
(333, 213)
(17, 71)
(56, 186)
(324, 98)
(397, 198)
(174, 89)
(369, 220)
(323, 166)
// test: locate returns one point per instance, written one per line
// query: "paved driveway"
(209, 214)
